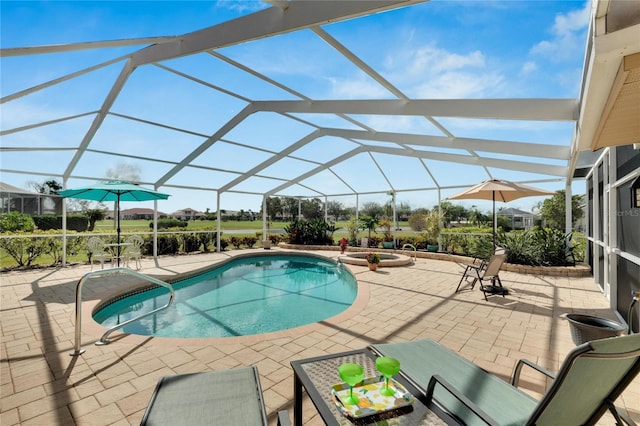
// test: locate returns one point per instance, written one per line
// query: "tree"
(50, 186)
(335, 209)
(290, 207)
(311, 209)
(372, 209)
(274, 207)
(418, 221)
(94, 216)
(553, 209)
(403, 209)
(475, 217)
(368, 223)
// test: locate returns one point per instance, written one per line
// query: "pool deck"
(112, 384)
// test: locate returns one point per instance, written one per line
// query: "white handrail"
(411, 246)
(77, 350)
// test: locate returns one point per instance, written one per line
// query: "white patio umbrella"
(500, 190)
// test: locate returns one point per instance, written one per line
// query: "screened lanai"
(234, 108)
(331, 99)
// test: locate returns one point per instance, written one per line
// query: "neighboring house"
(14, 199)
(518, 219)
(188, 214)
(138, 214)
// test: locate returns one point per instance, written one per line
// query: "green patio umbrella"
(114, 191)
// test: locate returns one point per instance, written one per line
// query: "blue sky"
(440, 50)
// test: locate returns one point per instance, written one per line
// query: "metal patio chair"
(591, 378)
(98, 251)
(225, 397)
(133, 250)
(486, 270)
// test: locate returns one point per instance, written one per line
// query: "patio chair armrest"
(522, 362)
(436, 379)
(283, 418)
(619, 415)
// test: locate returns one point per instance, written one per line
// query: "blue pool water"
(246, 296)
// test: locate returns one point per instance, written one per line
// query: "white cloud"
(432, 60)
(528, 68)
(566, 36)
(358, 88)
(434, 72)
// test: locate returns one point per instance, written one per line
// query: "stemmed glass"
(388, 366)
(351, 374)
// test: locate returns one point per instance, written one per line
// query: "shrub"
(14, 222)
(167, 244)
(207, 239)
(314, 231)
(223, 244)
(78, 223)
(190, 243)
(374, 241)
(551, 246)
(275, 239)
(236, 241)
(23, 248)
(170, 223)
(250, 241)
(418, 222)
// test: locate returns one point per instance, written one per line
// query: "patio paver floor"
(111, 385)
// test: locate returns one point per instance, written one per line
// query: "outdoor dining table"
(118, 250)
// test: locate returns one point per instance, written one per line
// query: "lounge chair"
(486, 271)
(227, 397)
(589, 381)
(98, 251)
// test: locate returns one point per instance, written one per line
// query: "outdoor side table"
(317, 376)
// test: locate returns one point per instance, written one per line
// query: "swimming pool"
(245, 296)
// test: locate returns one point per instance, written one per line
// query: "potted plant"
(373, 259)
(387, 241)
(432, 229)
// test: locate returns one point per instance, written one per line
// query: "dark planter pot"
(585, 328)
(432, 248)
(387, 244)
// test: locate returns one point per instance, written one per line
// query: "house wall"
(614, 228)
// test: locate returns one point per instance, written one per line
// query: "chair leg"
(463, 277)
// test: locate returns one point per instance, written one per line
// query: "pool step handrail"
(411, 247)
(77, 350)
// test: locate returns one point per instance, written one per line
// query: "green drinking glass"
(351, 374)
(388, 366)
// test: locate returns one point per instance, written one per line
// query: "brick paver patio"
(111, 385)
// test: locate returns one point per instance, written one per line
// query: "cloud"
(361, 87)
(432, 60)
(566, 36)
(528, 68)
(242, 6)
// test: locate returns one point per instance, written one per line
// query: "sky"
(436, 50)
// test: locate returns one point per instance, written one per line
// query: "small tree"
(368, 223)
(94, 215)
(352, 229)
(553, 210)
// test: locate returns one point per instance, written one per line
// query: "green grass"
(142, 226)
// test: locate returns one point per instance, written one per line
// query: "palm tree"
(369, 223)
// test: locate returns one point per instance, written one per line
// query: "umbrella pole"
(494, 220)
(118, 227)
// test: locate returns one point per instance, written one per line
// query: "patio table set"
(435, 386)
